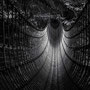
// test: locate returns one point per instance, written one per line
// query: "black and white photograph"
(44, 45)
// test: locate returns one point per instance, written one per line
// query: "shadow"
(54, 31)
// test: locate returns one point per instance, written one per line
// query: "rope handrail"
(23, 16)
